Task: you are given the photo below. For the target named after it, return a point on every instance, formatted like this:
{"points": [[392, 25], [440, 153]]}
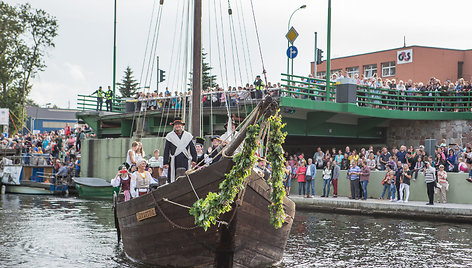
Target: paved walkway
{"points": [[412, 209]]}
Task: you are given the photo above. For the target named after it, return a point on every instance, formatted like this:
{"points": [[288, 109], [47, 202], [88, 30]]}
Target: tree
{"points": [[25, 36], [128, 85], [208, 80]]}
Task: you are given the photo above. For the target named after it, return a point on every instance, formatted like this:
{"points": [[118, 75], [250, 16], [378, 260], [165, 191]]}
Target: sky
{"points": [[82, 59]]}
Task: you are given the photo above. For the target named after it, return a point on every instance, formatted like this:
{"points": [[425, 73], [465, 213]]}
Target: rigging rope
{"points": [[241, 20], [258, 41], [233, 37]]}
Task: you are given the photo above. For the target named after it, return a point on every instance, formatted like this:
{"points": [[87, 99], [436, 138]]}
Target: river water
{"points": [[46, 231]]}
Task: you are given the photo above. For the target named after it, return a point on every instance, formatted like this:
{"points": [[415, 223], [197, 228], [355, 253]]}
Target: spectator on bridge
{"points": [[339, 158], [371, 163]]}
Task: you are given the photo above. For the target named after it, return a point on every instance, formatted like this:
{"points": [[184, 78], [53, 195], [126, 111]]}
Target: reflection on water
{"points": [[46, 231], [333, 240]]}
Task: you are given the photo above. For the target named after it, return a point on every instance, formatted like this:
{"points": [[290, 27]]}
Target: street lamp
{"points": [[288, 29]]}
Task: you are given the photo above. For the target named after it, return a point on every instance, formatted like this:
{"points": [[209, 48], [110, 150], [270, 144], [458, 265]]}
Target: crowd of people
{"points": [[60, 148], [376, 92], [182, 152], [211, 97], [401, 166]]}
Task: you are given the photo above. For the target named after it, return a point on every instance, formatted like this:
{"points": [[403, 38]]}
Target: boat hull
{"points": [[22, 189], [170, 238], [94, 192]]}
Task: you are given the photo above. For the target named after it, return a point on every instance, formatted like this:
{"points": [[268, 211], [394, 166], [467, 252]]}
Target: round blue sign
{"points": [[292, 52]]}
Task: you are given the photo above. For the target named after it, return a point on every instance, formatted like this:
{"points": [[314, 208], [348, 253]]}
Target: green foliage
{"points": [[128, 85], [275, 156], [206, 211], [25, 35], [208, 80]]}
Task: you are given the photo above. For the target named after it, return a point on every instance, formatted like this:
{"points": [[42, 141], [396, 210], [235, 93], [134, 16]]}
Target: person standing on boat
{"points": [[202, 158], [123, 179], [214, 150], [100, 94], [179, 151], [131, 154], [141, 180]]}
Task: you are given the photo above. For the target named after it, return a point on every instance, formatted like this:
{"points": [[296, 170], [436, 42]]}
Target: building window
{"points": [[370, 70], [337, 72], [321, 75], [388, 69], [351, 71]]}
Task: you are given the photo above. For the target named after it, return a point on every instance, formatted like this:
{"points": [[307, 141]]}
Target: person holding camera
{"points": [[123, 179]]}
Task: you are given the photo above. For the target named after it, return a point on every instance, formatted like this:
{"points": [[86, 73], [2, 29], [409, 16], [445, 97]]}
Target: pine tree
{"points": [[208, 80], [128, 85]]}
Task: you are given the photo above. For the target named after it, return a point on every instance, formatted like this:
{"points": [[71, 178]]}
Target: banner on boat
{"points": [[11, 175]]}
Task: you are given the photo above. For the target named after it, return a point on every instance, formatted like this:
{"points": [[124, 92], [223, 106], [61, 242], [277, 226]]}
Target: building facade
{"points": [[418, 63], [49, 119]]}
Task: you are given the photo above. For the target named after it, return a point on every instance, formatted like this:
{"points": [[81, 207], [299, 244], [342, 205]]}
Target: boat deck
{"points": [[375, 207]]}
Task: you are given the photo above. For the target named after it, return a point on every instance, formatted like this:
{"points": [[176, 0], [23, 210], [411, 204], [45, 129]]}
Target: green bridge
{"points": [[345, 112]]}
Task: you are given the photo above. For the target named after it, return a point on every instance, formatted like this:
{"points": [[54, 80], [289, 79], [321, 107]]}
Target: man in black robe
{"points": [[179, 151]]}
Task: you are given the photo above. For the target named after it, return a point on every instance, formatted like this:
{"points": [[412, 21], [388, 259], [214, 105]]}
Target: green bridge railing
{"points": [[89, 103], [380, 98]]}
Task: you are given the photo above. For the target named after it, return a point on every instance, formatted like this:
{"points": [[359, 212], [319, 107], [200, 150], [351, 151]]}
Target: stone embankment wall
{"points": [[102, 157], [412, 132]]}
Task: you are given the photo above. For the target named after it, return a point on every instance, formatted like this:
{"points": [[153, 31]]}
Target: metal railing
{"points": [[409, 100], [89, 103], [307, 88], [380, 98]]}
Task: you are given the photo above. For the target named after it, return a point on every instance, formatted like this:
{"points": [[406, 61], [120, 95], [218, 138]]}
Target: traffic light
{"points": [[162, 76], [319, 56]]}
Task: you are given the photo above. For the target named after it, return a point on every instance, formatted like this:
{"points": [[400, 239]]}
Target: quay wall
{"points": [[414, 132], [102, 157], [459, 189]]}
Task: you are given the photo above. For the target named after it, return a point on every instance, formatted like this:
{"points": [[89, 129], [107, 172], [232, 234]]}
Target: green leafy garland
{"points": [[206, 211], [276, 158]]}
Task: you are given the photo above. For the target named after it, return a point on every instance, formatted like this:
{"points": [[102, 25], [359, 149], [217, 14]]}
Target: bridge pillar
{"points": [[346, 91]]}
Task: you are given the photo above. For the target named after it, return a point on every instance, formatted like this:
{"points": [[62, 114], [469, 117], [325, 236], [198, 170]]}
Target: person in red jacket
{"points": [[301, 177]]}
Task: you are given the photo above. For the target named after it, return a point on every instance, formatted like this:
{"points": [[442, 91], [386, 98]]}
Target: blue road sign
{"points": [[292, 52]]}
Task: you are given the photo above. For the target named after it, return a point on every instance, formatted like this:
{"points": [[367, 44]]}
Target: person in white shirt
{"points": [[142, 180], [131, 154]]}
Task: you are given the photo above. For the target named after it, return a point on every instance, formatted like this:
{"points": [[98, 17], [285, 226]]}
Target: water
{"points": [[46, 231]]}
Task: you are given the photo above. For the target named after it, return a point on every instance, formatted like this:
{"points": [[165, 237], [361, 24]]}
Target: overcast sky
{"points": [[83, 56]]}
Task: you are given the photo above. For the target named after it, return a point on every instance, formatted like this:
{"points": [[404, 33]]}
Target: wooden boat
{"points": [[157, 228], [93, 187]]}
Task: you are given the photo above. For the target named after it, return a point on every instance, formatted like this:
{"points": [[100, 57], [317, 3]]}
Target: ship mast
{"points": [[197, 68]]}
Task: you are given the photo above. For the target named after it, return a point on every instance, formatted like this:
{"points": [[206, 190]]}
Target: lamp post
{"points": [[288, 42]]}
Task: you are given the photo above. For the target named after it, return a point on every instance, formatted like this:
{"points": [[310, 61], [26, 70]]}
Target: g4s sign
{"points": [[404, 56]]}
